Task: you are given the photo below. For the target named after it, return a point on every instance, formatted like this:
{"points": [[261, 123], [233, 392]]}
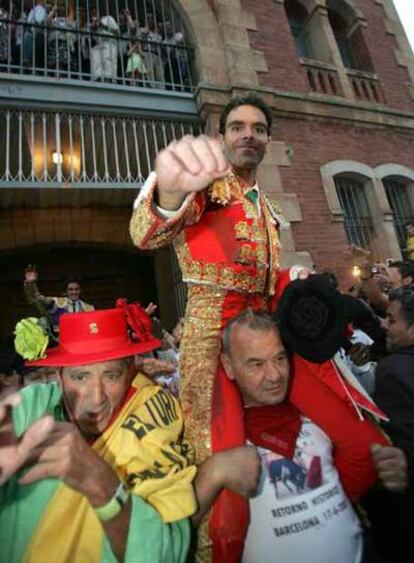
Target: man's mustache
{"points": [[247, 145]]}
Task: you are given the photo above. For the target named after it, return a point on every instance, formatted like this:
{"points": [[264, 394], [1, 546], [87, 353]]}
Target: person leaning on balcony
{"points": [[104, 54], [82, 45], [20, 17], [175, 59], [4, 37], [55, 306], [151, 46], [34, 37], [136, 69], [60, 44]]}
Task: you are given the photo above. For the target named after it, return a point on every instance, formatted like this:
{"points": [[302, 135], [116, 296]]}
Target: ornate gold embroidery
{"points": [[199, 357], [199, 354], [258, 234], [140, 224], [255, 232], [274, 249], [262, 255], [246, 281], [210, 273], [227, 277], [222, 190], [273, 206], [246, 255], [242, 230], [250, 209], [204, 544], [144, 219]]}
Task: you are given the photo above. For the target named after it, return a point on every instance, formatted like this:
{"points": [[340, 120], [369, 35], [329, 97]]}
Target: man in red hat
{"points": [[93, 467]]}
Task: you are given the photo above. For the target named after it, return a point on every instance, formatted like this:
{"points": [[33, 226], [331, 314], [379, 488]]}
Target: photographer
{"points": [[376, 281]]}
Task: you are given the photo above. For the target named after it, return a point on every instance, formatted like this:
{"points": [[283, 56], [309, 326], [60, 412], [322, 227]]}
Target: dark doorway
{"points": [[106, 273]]}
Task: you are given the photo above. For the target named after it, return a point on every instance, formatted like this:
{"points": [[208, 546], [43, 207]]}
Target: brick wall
{"points": [[274, 39], [315, 143], [382, 46]]}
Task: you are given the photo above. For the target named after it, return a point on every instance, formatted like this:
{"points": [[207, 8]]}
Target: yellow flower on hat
{"points": [[31, 339]]}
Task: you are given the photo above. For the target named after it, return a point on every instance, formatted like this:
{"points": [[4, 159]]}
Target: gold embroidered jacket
{"points": [[221, 237]]}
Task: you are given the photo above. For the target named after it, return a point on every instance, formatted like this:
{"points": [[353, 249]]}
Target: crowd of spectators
{"points": [[379, 340], [319, 390], [52, 40]]}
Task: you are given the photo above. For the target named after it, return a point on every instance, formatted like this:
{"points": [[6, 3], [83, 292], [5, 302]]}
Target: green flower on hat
{"points": [[31, 339]]}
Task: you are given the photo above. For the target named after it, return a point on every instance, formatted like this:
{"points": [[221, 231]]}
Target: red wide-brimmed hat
{"points": [[98, 336]]}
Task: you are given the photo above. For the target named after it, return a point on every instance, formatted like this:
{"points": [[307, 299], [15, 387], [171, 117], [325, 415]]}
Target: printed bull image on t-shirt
{"points": [[301, 513]]}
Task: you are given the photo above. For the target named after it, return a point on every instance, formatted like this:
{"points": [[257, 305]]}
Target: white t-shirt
{"points": [[301, 513]]}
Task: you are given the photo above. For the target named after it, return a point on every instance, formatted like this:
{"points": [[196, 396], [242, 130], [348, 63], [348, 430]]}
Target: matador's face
{"points": [[245, 137]]}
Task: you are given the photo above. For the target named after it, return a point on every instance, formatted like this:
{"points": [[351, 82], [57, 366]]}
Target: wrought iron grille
{"points": [[400, 204], [357, 216], [56, 148], [130, 42]]}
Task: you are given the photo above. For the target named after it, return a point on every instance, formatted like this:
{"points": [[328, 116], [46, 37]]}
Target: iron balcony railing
{"points": [[61, 49], [53, 149]]}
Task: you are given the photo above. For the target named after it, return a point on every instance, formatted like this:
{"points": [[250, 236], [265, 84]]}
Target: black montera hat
{"points": [[312, 317]]}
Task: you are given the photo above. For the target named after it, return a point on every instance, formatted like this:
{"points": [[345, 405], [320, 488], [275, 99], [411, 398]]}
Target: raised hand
{"points": [[357, 255], [14, 451], [190, 165], [151, 308], [153, 366], [30, 274]]}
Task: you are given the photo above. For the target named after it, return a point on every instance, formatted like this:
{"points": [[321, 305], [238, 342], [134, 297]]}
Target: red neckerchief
{"points": [[274, 427]]}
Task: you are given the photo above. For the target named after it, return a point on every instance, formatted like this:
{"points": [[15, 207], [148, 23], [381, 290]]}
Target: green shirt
{"points": [[150, 540]]}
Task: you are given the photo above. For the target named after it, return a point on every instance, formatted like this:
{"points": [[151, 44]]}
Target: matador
{"points": [[204, 198]]}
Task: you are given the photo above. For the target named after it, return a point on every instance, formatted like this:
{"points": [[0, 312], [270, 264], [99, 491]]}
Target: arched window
{"points": [[399, 200], [297, 16], [359, 226], [348, 36]]}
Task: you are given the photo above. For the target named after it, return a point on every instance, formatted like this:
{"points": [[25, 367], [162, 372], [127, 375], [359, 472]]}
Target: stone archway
{"points": [[223, 51], [210, 49]]}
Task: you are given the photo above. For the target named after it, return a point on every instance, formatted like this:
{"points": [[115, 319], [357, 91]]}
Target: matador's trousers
{"points": [[213, 410]]}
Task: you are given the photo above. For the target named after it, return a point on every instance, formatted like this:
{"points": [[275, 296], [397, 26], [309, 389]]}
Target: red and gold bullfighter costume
{"points": [[228, 249]]}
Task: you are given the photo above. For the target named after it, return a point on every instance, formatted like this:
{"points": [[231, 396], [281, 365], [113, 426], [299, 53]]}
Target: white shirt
{"points": [[301, 513], [37, 15]]}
